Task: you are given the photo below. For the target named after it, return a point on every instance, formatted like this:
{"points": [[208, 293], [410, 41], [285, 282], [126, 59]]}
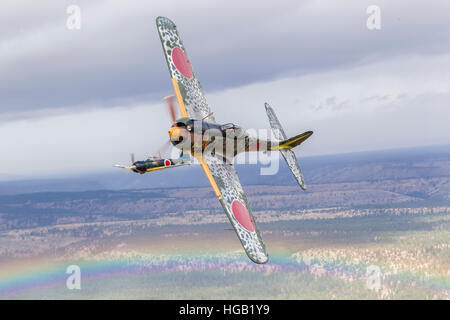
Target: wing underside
{"points": [[235, 204], [188, 90]]}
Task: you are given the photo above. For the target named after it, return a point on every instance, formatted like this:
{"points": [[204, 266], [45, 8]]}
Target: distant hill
{"points": [[424, 162], [414, 178]]}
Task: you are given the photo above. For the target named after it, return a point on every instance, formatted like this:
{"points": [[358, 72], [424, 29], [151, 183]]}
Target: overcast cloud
{"points": [[81, 100]]}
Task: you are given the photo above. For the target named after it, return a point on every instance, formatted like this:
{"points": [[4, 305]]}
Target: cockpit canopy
{"points": [[228, 126], [205, 126]]}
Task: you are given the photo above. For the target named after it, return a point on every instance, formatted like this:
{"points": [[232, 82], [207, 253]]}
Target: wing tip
{"points": [[301, 182], [164, 21], [260, 260], [258, 257]]}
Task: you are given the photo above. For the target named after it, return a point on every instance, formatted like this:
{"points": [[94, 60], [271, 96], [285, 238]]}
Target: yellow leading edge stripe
{"points": [[200, 159], [179, 98], [209, 176], [207, 172], [157, 168]]}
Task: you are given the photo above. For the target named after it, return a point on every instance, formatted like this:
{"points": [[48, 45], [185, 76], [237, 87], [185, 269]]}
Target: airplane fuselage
{"points": [[198, 136], [158, 164]]}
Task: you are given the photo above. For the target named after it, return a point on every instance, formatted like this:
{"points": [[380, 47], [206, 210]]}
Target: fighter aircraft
{"points": [[196, 133]]}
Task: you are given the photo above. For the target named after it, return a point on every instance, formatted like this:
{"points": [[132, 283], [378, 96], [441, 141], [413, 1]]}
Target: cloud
{"points": [[393, 103], [73, 101], [116, 58], [386, 104]]}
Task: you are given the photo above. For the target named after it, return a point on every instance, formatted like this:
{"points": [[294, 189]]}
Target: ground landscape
{"points": [[386, 211]]}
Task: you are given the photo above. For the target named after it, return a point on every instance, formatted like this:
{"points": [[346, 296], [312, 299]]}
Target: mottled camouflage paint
{"points": [[191, 90], [288, 154], [228, 182], [224, 174], [220, 163]]}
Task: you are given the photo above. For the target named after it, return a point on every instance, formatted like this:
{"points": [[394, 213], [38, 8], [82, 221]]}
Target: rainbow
{"points": [[32, 280]]}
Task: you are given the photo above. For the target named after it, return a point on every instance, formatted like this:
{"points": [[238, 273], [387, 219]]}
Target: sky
{"points": [[74, 101]]}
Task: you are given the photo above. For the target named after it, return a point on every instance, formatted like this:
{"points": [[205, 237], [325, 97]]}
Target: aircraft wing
{"points": [[226, 185], [222, 176], [188, 90]]}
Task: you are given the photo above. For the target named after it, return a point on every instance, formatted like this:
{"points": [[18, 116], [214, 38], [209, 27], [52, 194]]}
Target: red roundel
{"points": [[167, 163], [242, 216], [181, 62]]}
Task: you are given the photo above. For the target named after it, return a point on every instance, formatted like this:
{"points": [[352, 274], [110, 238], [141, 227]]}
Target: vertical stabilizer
{"points": [[285, 145]]}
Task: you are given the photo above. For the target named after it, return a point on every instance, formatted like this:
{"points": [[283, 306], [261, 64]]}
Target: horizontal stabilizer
{"points": [[292, 163]]}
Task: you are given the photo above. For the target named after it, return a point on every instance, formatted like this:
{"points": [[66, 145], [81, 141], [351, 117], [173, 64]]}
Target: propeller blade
{"points": [[124, 167], [132, 158], [171, 107]]}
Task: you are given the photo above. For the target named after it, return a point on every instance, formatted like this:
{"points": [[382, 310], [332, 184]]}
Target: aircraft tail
{"points": [[285, 145]]}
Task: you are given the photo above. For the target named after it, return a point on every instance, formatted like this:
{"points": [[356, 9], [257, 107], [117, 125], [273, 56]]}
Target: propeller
{"points": [[161, 151], [132, 167], [170, 100]]}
